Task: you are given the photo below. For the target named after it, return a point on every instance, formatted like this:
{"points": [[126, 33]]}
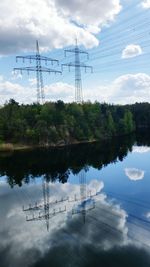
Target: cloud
{"points": [[10, 89], [60, 90], [130, 88], [140, 149], [126, 89], [146, 4], [16, 76], [131, 50], [55, 23], [83, 13], [134, 174]]}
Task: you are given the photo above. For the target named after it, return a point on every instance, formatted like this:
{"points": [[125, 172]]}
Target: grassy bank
{"points": [[11, 147]]}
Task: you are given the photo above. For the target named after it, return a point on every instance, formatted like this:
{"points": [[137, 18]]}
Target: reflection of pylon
{"points": [[87, 202], [82, 181], [45, 212], [48, 209], [46, 202]]}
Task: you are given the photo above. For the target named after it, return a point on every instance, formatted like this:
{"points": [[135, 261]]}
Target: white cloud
{"points": [[55, 23], [140, 149], [131, 51], [134, 174], [27, 94], [32, 81], [146, 4], [125, 89], [58, 91], [96, 12], [16, 76], [10, 89], [130, 88]]}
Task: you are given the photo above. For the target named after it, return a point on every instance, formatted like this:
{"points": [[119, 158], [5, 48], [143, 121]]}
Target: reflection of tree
{"points": [[56, 164]]}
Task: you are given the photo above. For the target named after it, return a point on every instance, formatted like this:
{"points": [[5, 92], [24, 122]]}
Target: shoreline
{"points": [[10, 147]]}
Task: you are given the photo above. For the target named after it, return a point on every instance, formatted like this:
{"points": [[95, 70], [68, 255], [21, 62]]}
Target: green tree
{"points": [[128, 122]]}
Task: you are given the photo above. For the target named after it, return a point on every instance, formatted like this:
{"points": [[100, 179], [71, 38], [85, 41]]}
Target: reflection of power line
{"points": [[126, 198]]}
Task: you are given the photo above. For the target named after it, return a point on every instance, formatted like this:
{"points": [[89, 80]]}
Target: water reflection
{"points": [[103, 237], [140, 149], [57, 164], [134, 174], [47, 208], [77, 222]]}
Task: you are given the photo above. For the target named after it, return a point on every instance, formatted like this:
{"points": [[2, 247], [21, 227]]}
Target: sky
{"points": [[115, 33]]}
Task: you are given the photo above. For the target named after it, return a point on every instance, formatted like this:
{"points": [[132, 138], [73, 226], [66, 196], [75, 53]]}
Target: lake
{"points": [[83, 205]]}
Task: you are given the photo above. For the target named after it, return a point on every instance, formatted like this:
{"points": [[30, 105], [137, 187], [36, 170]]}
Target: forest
{"points": [[59, 123]]}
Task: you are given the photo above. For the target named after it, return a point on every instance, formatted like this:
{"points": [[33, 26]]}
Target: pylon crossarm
{"points": [[34, 57], [83, 209], [44, 69], [49, 59], [80, 65], [37, 57], [33, 208], [45, 215], [75, 50], [28, 69]]}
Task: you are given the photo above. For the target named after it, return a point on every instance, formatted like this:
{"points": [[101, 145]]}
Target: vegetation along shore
{"points": [[59, 124]]}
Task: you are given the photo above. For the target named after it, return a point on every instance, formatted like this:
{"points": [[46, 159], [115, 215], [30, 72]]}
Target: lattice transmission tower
{"points": [[38, 69], [77, 65]]}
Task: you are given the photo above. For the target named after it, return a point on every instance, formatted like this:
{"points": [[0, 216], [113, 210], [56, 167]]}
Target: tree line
{"points": [[57, 123]]}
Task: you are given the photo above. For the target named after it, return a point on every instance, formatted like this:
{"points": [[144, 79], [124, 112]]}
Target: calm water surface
{"points": [[86, 205]]}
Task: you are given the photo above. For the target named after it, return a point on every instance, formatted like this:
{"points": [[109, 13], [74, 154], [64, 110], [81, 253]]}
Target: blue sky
{"points": [[115, 33]]}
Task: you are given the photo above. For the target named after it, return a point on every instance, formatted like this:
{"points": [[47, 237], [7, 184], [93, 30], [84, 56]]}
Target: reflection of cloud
{"points": [[148, 215], [146, 4], [134, 174], [140, 149], [69, 240]]}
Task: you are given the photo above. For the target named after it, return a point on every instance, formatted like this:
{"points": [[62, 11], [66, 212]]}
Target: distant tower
{"points": [[38, 69], [77, 65]]}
